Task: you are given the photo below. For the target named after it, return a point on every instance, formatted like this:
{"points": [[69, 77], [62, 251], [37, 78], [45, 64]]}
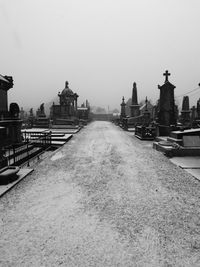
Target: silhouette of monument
{"points": [[123, 110], [66, 111], [134, 107], [41, 120]]}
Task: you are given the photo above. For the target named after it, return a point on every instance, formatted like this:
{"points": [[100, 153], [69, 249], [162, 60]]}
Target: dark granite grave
{"points": [[185, 112]]}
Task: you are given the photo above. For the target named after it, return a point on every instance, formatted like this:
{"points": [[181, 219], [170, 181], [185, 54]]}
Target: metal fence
{"points": [[33, 144]]}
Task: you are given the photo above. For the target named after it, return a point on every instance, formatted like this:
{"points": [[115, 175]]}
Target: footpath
{"points": [[104, 199]]}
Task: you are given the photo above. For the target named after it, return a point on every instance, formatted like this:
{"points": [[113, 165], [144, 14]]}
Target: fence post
{"points": [[28, 164], [14, 154]]}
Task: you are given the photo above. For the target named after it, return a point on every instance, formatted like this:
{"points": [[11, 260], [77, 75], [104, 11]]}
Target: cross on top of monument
{"points": [[166, 74]]}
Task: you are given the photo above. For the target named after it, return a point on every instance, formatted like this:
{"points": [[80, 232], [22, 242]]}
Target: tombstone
{"points": [[166, 110], [185, 112], [134, 107]]}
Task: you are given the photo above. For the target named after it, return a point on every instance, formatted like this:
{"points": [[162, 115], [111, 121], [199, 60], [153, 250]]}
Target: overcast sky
{"points": [[100, 46]]}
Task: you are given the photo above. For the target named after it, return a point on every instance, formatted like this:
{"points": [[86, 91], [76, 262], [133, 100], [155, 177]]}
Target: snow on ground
{"points": [[106, 199]]}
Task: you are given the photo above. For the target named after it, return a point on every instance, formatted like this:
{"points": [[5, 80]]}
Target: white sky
{"points": [[100, 46]]}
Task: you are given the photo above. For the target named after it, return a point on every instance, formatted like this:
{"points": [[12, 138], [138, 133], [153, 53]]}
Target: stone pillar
{"points": [[6, 82], [146, 114], [134, 107], [193, 114], [123, 110], [166, 112]]}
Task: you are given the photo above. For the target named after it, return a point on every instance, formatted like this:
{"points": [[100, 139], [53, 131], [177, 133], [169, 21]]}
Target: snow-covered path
{"points": [[104, 199]]}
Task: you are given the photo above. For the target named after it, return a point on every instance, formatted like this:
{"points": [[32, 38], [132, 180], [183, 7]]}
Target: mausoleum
{"points": [[66, 111]]}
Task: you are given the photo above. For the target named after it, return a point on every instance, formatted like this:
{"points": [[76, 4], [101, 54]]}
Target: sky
{"points": [[101, 47]]}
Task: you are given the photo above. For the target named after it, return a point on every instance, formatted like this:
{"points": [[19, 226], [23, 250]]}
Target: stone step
{"points": [[174, 140]]}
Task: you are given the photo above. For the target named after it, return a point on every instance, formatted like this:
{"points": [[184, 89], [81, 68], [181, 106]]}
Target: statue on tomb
{"points": [[14, 110], [42, 108], [31, 112]]}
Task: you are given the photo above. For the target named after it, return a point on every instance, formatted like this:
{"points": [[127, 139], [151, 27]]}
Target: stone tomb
{"points": [[180, 143], [41, 120]]}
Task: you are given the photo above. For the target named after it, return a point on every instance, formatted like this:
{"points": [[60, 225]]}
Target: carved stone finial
{"points": [[166, 74]]}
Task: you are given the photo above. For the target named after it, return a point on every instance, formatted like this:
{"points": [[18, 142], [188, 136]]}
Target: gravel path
{"points": [[104, 199]]}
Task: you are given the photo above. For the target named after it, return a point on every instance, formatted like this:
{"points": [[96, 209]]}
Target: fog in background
{"points": [[101, 47]]}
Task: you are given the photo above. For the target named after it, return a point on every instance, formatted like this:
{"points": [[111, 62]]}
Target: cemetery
{"points": [[172, 134], [19, 146], [100, 171]]}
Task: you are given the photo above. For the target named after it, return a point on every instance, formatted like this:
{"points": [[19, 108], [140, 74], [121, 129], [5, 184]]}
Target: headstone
{"points": [[185, 112], [166, 110]]}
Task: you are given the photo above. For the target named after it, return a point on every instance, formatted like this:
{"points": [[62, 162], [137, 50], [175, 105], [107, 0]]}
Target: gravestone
{"points": [[166, 109]]}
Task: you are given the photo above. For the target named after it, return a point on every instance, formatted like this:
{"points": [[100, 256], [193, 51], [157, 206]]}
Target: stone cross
{"points": [[166, 74]]}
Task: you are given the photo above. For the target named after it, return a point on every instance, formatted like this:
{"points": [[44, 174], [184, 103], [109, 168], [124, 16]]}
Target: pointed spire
{"points": [[146, 102], [134, 94]]}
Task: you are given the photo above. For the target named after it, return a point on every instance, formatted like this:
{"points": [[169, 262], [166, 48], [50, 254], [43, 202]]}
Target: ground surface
{"points": [[104, 199]]}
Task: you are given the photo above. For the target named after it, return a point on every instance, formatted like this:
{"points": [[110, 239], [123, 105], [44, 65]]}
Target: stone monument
{"points": [[123, 110], [134, 107], [41, 120], [166, 110], [66, 112]]}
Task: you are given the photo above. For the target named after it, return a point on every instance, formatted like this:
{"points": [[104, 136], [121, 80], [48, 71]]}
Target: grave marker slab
{"points": [[191, 141]]}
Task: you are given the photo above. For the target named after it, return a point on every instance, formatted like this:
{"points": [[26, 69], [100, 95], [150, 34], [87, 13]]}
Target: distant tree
{"points": [[115, 110], [100, 110]]}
